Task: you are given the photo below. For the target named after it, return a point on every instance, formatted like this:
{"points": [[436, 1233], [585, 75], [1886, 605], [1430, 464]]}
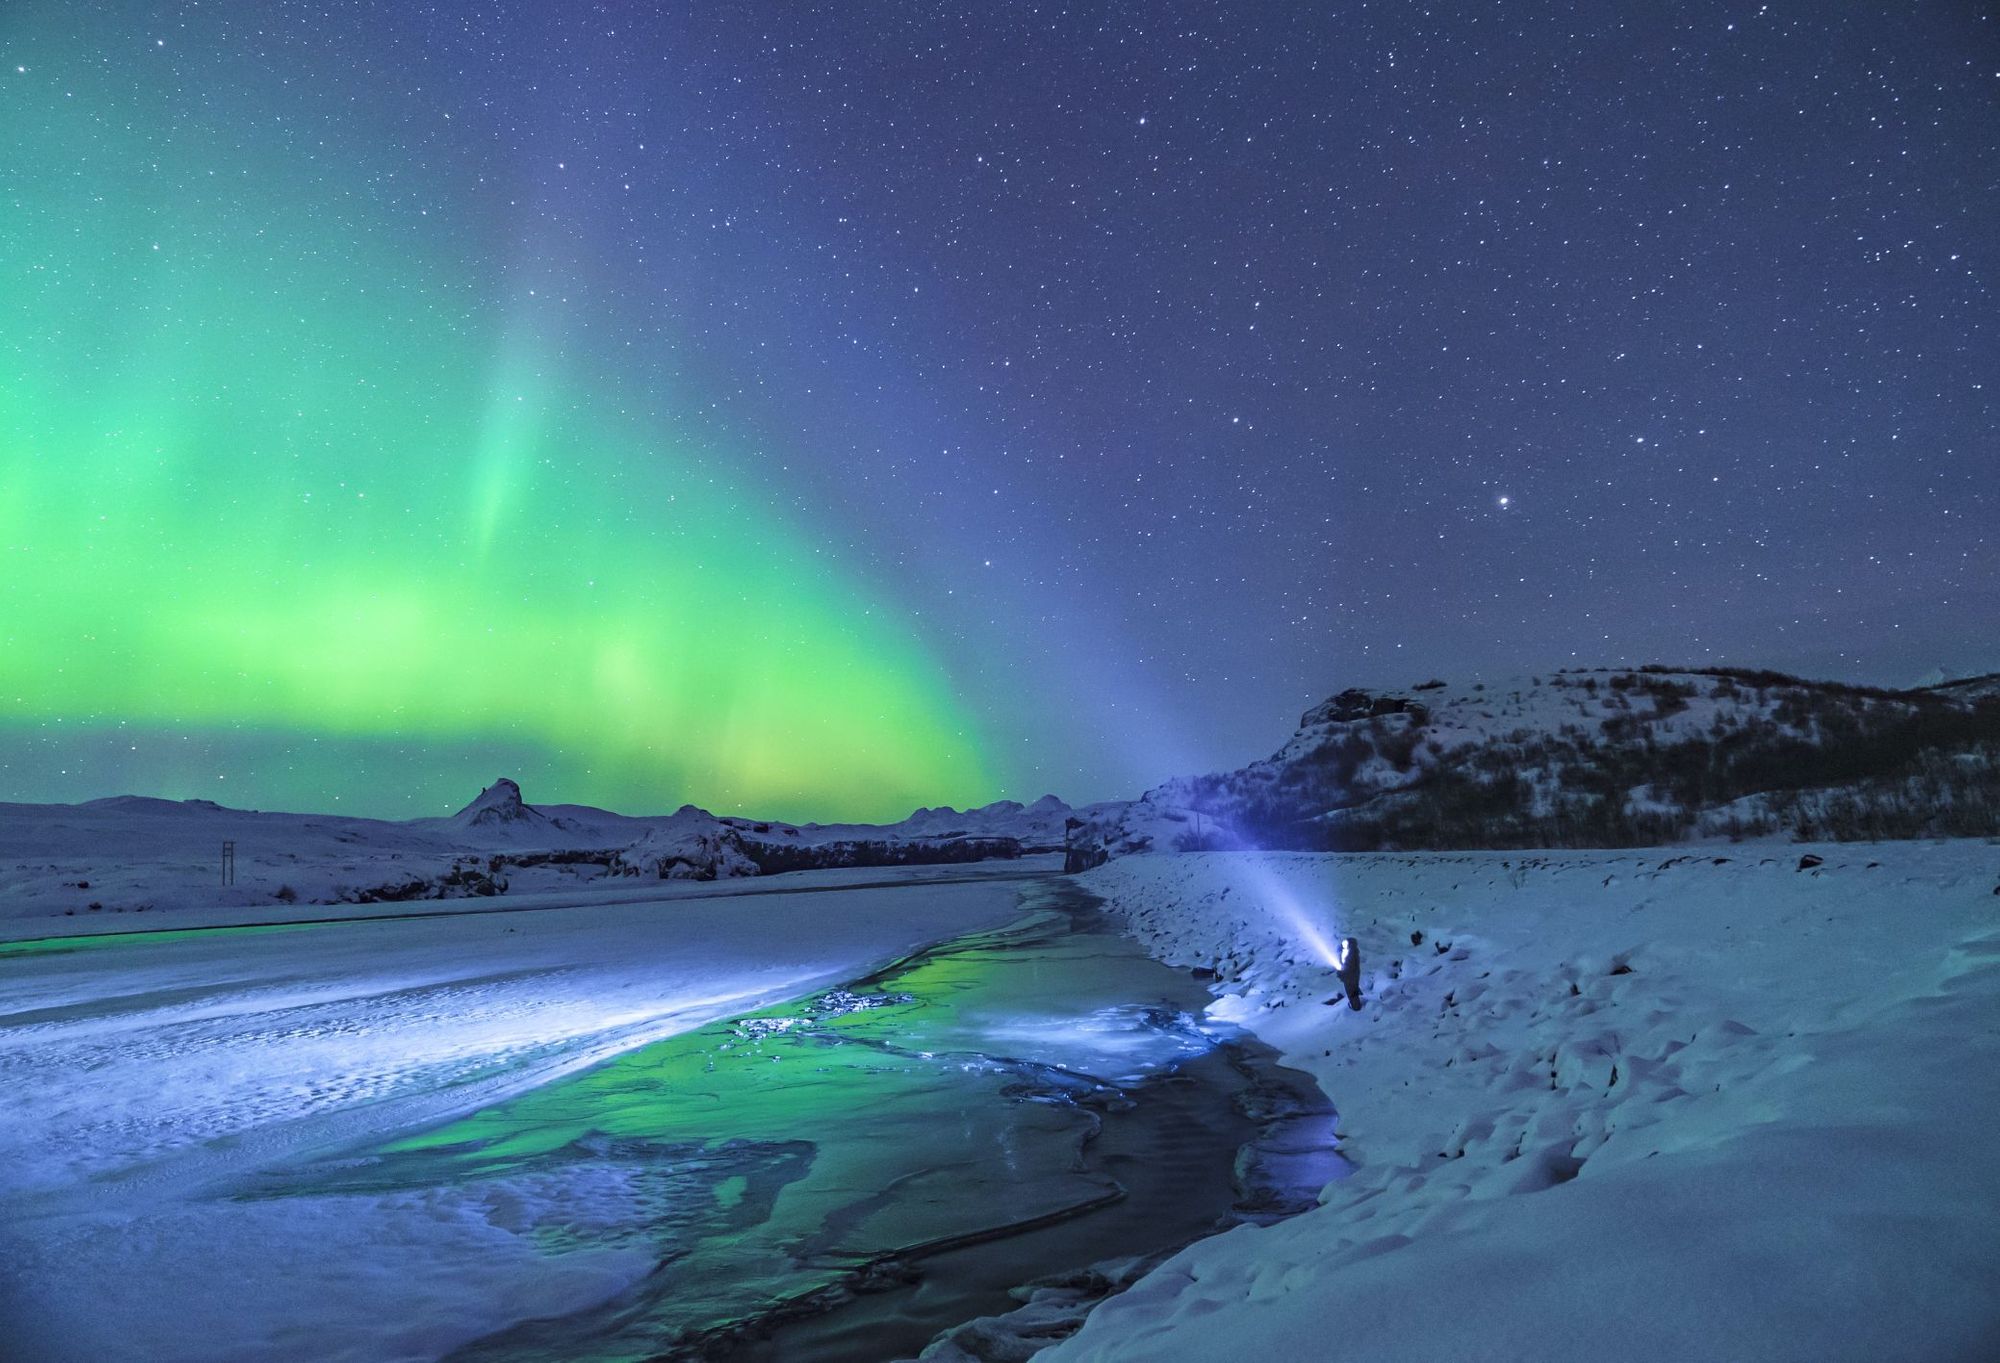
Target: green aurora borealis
{"points": [[290, 489]]}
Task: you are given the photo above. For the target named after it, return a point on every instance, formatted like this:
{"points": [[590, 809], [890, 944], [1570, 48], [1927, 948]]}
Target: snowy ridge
{"points": [[691, 845], [499, 808], [1970, 689], [1598, 1101], [696, 845], [135, 854], [1603, 758]]}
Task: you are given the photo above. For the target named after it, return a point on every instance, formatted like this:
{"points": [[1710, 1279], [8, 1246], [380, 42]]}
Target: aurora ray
{"points": [[269, 488]]}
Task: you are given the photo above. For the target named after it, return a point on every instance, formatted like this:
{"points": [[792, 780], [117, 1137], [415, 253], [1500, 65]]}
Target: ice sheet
{"points": [[144, 1077]]}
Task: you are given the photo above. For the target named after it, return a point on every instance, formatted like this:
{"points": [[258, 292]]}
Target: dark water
{"points": [[838, 1180]]}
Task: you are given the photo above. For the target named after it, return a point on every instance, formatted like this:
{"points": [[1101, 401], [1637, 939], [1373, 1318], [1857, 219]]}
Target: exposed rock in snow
{"points": [[691, 845], [697, 845], [499, 808], [1357, 703]]}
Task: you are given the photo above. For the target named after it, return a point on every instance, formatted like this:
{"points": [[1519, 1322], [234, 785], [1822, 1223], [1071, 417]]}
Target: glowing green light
{"points": [[267, 470]]}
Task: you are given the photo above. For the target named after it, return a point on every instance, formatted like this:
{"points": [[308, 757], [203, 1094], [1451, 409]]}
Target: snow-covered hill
{"points": [[132, 854], [694, 844], [1598, 758]]}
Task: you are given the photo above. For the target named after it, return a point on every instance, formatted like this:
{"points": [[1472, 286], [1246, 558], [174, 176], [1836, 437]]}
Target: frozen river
{"points": [[610, 1132]]}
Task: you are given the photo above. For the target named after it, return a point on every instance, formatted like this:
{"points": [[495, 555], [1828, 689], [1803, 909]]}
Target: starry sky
{"points": [[821, 410]]}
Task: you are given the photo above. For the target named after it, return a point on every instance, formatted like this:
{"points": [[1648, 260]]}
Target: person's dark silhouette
{"points": [[1349, 967]]}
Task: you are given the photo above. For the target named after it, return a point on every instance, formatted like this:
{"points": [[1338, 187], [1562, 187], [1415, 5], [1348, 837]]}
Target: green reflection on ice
{"points": [[768, 1157]]}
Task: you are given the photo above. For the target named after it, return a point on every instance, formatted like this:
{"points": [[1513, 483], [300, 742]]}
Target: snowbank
{"points": [[1604, 1105]]}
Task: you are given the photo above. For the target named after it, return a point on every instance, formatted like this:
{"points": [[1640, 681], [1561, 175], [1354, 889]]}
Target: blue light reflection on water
{"points": [[1047, 1072]]}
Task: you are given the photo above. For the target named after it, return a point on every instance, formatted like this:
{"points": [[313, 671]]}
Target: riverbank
{"points": [[1652, 1106]]}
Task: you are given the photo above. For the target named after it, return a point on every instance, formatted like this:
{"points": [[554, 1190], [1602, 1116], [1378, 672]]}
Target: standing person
{"points": [[1349, 968]]}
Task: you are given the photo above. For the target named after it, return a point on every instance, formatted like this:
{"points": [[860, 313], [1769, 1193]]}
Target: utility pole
{"points": [[228, 861]]}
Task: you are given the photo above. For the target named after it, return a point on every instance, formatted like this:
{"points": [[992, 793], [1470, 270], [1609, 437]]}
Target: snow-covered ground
{"points": [[131, 861], [1676, 1104], [1611, 1105], [145, 1075]]}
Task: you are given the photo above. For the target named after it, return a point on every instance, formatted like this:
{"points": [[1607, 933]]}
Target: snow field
{"points": [[1611, 1105]]}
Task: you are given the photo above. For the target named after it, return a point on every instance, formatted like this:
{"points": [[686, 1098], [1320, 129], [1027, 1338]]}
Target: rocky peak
{"points": [[499, 803], [1356, 703]]}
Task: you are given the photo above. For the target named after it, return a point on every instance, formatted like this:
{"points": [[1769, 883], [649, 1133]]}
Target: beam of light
{"points": [[1310, 925], [1303, 926]]}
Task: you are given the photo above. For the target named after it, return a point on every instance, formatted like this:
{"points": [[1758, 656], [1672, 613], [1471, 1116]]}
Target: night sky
{"points": [[824, 410]]}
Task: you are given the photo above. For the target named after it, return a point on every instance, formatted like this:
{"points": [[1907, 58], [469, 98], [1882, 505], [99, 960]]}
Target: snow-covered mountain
{"points": [[133, 853], [694, 844], [499, 819], [1600, 758], [500, 811]]}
